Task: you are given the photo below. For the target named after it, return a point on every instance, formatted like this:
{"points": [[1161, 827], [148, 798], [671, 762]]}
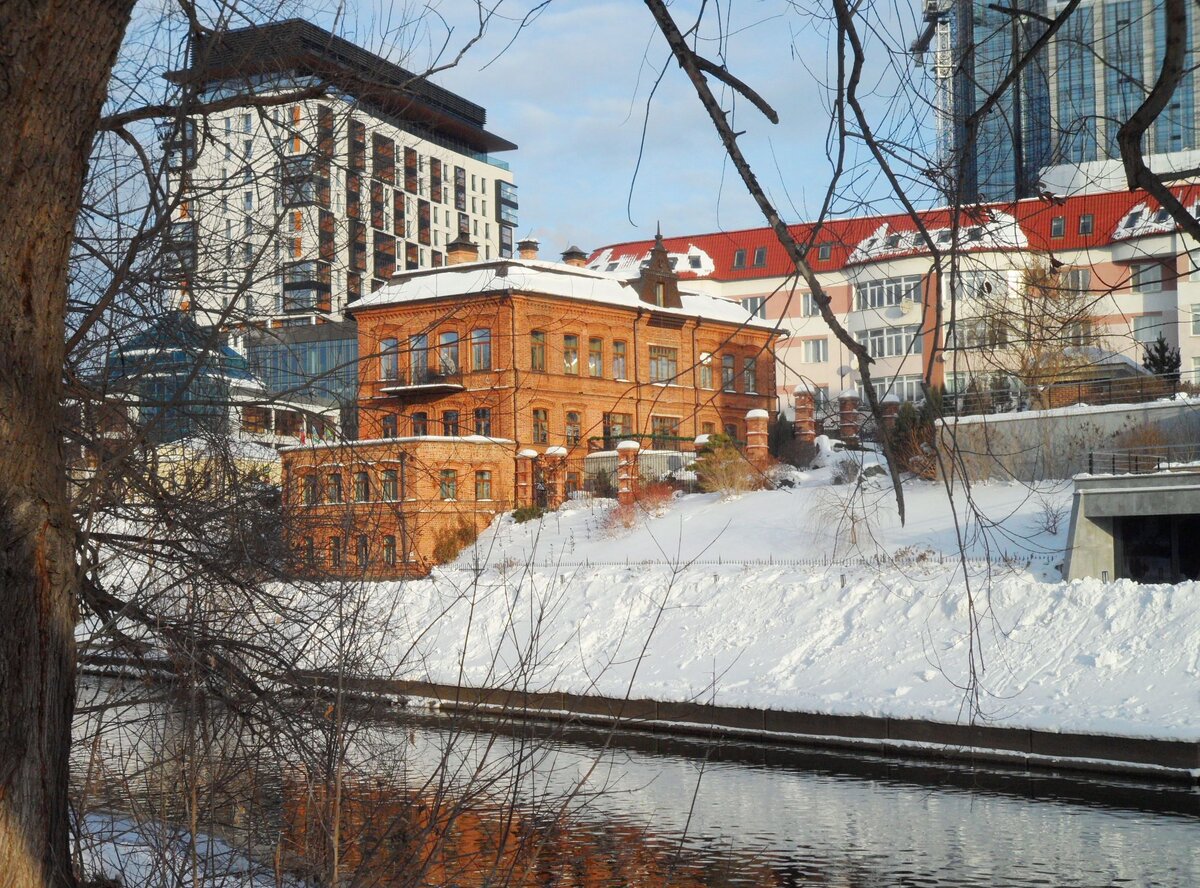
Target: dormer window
{"points": [[892, 242], [824, 251], [974, 233], [1087, 222], [694, 263], [739, 259], [760, 257], [1058, 226], [1132, 219], [1162, 215], [660, 295]]}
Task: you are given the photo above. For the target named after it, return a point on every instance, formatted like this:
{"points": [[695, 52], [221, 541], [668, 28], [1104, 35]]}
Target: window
{"points": [[448, 353], [448, 484], [660, 295], [663, 363], [333, 488], [1195, 319], [760, 257], [749, 375], [311, 494], [571, 354], [816, 351], [420, 423], [886, 291], [664, 428], [362, 550], [389, 359], [1058, 226], [362, 487], [1148, 277], [310, 550], [729, 373], [481, 349], [390, 487], [574, 428], [541, 426], [483, 421], [418, 358], [450, 423], [595, 356], [824, 251], [739, 259], [731, 431], [390, 426], [483, 485], [617, 425], [389, 550], [335, 551], [756, 306], [708, 428], [537, 351], [1087, 223], [1146, 328], [808, 306], [618, 360], [978, 333], [891, 342], [706, 371]]}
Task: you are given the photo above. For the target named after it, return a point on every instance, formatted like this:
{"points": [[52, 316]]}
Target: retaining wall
{"points": [[1043, 444], [1176, 760]]}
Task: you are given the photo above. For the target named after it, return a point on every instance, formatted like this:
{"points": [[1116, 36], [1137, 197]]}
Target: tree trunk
{"points": [[55, 60]]}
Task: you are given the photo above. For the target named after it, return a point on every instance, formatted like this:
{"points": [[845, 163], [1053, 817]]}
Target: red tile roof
{"points": [[1034, 216]]}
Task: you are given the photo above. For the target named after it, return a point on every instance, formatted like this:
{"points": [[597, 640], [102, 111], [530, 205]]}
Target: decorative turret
{"points": [[658, 284]]}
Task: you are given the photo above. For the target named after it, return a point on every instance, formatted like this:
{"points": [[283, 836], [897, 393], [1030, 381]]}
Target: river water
{"points": [[590, 808]]}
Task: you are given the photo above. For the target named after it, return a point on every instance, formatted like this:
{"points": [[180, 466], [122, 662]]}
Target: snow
{"points": [[1072, 409], [815, 598], [546, 278]]}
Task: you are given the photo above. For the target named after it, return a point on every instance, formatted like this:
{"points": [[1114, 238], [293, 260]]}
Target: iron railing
{"points": [[1145, 460]]}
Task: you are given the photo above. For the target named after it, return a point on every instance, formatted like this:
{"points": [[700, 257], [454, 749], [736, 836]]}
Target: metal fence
{"points": [[1145, 460], [1000, 560], [1095, 392]]}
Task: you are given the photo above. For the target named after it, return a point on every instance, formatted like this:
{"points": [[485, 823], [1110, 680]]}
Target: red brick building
{"points": [[465, 366]]}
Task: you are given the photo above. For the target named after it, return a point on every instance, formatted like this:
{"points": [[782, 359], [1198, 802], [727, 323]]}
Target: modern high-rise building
{"points": [[338, 169], [1056, 124]]}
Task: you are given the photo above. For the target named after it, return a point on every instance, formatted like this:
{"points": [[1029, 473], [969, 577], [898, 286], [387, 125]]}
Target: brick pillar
{"points": [[525, 460], [806, 415], [889, 407], [554, 461], [848, 416], [756, 439], [627, 472]]}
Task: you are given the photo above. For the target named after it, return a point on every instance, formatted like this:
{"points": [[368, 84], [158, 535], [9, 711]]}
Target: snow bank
{"points": [[757, 602]]}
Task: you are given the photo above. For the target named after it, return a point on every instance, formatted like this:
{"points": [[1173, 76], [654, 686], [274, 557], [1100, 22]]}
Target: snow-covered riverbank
{"points": [[697, 615]]}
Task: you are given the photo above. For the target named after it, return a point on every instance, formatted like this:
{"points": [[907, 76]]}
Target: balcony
{"points": [[423, 381]]}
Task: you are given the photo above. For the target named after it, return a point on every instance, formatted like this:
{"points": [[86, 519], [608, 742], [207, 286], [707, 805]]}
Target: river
{"points": [[431, 799]]}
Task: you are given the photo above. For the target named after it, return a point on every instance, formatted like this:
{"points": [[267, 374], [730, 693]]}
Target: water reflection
{"points": [[440, 801]]}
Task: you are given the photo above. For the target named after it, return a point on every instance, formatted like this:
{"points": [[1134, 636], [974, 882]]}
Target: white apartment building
{"points": [[289, 210], [1135, 275]]}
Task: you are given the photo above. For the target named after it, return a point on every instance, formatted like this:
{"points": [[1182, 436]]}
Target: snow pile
{"points": [[812, 598]]}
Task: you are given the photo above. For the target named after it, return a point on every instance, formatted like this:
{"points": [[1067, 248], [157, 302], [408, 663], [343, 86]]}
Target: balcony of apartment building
{"points": [[307, 287], [303, 181], [423, 380]]}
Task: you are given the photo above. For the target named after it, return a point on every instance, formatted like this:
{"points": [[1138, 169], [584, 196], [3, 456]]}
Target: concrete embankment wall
{"points": [[1055, 443], [1174, 760]]}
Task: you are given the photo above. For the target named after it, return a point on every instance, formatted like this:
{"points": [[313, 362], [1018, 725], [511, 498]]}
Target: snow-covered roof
{"points": [[538, 277], [410, 439]]}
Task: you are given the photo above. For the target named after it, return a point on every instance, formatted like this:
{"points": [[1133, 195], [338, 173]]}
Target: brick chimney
{"points": [[572, 255], [461, 250], [528, 248]]}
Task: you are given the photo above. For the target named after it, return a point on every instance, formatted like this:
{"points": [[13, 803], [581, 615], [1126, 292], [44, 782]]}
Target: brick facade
{"points": [[486, 369]]}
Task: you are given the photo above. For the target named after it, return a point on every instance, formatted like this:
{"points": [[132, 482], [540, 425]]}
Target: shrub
{"points": [[912, 438], [527, 513], [449, 541], [721, 468]]}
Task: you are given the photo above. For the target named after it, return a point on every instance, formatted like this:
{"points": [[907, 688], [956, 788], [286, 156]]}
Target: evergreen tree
{"points": [[1162, 360]]}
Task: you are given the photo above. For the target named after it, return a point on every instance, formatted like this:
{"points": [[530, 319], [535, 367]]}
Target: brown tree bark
{"points": [[55, 61]]}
